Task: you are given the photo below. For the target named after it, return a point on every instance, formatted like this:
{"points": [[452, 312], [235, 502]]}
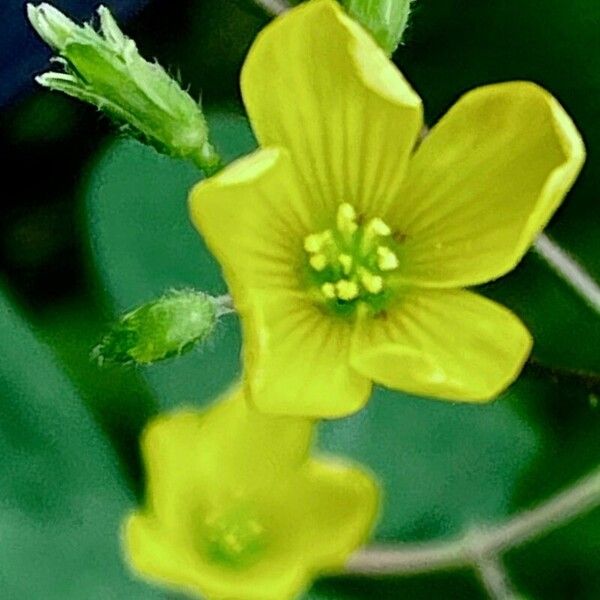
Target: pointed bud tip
{"points": [[51, 25], [110, 29]]}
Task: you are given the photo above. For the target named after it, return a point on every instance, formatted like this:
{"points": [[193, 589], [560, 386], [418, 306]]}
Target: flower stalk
{"points": [[569, 270], [582, 497], [273, 7]]}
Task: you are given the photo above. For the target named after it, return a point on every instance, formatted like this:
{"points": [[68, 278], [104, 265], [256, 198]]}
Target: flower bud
{"points": [[160, 329], [105, 69]]}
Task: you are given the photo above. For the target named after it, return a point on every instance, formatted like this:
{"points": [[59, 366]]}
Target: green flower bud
{"points": [[105, 69], [160, 329], [385, 19]]}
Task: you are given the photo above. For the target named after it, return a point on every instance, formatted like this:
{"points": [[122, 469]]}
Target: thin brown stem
{"points": [[589, 379], [273, 7], [576, 500], [495, 579], [569, 270]]}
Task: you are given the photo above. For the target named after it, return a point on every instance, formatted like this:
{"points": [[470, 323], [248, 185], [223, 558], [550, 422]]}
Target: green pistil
{"points": [[234, 539], [350, 263]]}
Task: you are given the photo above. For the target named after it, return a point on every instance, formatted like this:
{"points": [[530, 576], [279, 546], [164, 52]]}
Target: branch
{"points": [[495, 579], [568, 269], [273, 7], [588, 379], [467, 550]]}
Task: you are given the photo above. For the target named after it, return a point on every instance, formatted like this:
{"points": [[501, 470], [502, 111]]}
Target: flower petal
{"points": [[448, 344], [155, 555], [229, 450], [152, 554], [254, 220], [484, 183], [316, 83], [203, 465], [335, 507], [297, 358], [166, 442]]}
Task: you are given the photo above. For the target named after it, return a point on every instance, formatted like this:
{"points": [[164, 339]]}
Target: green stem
{"points": [[208, 160]]}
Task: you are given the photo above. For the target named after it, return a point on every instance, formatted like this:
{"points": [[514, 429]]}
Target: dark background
{"points": [[62, 224]]}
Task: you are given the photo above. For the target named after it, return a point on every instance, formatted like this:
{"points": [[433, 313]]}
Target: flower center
{"points": [[235, 538], [350, 263]]}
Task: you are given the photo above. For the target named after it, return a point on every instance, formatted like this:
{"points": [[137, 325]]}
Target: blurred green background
{"points": [[93, 224]]}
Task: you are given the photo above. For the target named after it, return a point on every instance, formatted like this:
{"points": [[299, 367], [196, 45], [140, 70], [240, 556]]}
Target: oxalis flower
{"points": [[346, 245], [237, 509]]}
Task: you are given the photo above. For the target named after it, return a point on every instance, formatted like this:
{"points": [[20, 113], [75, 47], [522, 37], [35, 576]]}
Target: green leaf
{"points": [[443, 465], [62, 496]]}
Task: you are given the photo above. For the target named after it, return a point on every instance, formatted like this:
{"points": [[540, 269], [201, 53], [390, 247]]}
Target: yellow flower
{"points": [[346, 246], [237, 510]]}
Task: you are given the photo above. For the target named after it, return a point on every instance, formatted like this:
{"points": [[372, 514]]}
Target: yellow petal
{"points": [[297, 357], [228, 450], [334, 507], [165, 441], [211, 474], [153, 555], [448, 344], [316, 82], [156, 556], [254, 220], [484, 183]]}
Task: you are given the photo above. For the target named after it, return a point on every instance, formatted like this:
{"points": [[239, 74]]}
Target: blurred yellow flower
{"points": [[236, 508], [346, 247]]}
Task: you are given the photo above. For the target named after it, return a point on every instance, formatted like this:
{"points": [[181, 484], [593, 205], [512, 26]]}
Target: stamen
{"points": [[372, 283], [328, 290], [378, 227], [234, 539], [318, 262], [315, 242], [346, 262], [386, 259], [346, 219], [346, 290]]}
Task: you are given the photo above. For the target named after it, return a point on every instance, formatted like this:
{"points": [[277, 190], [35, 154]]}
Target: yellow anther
{"points": [[386, 259], [346, 218], [346, 290], [315, 242], [372, 283], [328, 290], [346, 262], [378, 226], [318, 261]]}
